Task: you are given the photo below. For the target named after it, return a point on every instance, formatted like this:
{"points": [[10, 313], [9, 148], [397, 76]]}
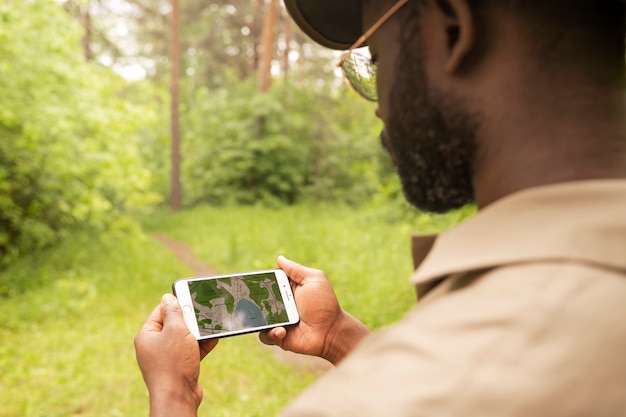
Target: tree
{"points": [[267, 45], [241, 114], [176, 187], [69, 144], [289, 36]]}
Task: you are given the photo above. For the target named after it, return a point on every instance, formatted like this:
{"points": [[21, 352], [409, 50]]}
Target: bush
{"points": [[289, 144], [69, 146]]}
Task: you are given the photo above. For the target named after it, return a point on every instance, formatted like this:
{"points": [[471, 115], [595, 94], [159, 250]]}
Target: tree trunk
{"points": [[255, 29], [265, 62], [175, 53], [86, 18], [267, 45], [288, 39]]}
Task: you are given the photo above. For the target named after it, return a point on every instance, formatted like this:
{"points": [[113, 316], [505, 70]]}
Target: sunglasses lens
{"points": [[361, 74]]}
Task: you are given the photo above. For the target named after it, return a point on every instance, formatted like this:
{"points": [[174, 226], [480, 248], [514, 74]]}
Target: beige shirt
{"points": [[522, 312]]}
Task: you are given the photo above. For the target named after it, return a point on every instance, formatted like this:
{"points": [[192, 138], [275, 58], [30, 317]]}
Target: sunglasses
{"points": [[358, 70]]}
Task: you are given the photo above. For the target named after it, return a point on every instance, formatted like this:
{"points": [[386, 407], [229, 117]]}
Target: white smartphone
{"points": [[226, 305]]}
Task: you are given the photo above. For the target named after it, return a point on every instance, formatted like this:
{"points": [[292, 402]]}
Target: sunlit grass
{"points": [[68, 315], [365, 252], [67, 343], [67, 346]]}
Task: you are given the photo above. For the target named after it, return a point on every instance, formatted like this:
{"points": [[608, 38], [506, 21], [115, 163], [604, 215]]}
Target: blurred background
{"points": [[217, 124]]}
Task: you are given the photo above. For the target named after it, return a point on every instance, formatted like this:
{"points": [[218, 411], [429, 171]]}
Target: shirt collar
{"points": [[581, 221]]}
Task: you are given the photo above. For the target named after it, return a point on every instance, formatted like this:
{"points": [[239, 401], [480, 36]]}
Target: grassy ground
{"points": [[366, 253], [67, 340], [68, 316]]}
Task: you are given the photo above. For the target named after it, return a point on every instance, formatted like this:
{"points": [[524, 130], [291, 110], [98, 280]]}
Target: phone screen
{"points": [[235, 303]]}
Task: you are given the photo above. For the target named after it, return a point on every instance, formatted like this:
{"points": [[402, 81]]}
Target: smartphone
{"points": [[227, 305]]}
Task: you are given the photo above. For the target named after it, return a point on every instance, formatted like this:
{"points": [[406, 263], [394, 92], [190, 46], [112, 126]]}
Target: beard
{"points": [[431, 138]]}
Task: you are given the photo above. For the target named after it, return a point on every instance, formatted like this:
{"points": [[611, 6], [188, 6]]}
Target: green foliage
{"points": [[365, 252], [91, 294], [67, 341], [68, 144], [290, 143]]}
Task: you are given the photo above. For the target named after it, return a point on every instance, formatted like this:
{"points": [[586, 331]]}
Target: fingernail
{"points": [[168, 299]]}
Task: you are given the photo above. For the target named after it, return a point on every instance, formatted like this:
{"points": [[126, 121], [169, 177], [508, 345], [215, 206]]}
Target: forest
{"points": [[88, 119], [214, 125]]}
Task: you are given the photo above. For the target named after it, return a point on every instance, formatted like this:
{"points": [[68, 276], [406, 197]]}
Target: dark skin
{"points": [[537, 127], [554, 129], [325, 329], [169, 358]]}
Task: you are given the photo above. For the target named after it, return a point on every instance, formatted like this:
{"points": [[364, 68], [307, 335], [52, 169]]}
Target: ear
{"points": [[460, 26]]}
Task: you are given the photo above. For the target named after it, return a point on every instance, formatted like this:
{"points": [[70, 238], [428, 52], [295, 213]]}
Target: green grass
{"points": [[365, 253], [68, 315], [67, 340]]}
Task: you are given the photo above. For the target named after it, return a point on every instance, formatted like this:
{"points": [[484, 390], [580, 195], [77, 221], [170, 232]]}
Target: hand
{"points": [[325, 329], [169, 358]]}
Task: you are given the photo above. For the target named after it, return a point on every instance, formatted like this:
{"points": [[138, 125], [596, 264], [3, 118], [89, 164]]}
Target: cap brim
{"points": [[335, 24]]}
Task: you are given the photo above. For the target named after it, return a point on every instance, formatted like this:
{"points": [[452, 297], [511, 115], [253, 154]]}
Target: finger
{"points": [[296, 272], [172, 314], [273, 336], [266, 339], [154, 322], [206, 347]]}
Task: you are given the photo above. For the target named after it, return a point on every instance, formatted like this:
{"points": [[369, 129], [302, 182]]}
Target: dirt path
{"points": [[199, 268], [186, 256]]}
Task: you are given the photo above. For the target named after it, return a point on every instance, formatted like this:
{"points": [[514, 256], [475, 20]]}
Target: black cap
{"points": [[335, 24]]}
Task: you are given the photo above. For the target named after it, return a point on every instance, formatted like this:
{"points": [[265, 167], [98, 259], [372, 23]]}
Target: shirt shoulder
{"points": [[545, 338], [579, 221]]}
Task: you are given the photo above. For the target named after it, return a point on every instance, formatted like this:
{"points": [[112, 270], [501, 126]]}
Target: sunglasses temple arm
{"points": [[378, 24]]}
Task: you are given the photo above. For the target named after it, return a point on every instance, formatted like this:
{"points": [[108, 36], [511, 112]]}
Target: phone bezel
{"points": [[180, 288]]}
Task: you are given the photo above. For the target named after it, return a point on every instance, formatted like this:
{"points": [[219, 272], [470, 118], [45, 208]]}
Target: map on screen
{"points": [[236, 303]]}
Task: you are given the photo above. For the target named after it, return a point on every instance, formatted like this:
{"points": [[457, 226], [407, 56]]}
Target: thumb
{"points": [[296, 272], [171, 310], [293, 269]]}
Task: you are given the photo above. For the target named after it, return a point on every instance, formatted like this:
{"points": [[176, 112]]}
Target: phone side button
{"points": [[187, 309]]}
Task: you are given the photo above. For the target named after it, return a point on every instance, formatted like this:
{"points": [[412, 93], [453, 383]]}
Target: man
{"points": [[519, 106]]}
